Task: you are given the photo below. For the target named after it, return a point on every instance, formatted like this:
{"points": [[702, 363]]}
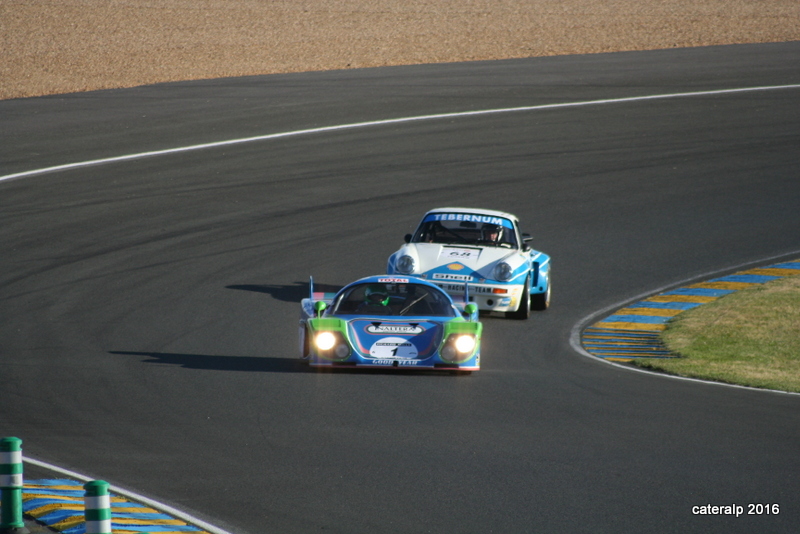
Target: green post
{"points": [[11, 487], [97, 502]]}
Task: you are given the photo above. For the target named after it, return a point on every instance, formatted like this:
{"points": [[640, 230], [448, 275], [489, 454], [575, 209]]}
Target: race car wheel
{"points": [[306, 345], [541, 301], [524, 310]]}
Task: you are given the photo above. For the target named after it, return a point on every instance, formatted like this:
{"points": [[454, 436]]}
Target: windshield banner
{"points": [[469, 217]]}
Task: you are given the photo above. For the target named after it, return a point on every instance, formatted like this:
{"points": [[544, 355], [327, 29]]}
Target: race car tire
{"points": [[541, 301], [524, 309], [306, 345]]}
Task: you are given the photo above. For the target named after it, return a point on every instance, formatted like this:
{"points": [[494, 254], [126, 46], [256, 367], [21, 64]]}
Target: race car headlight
{"points": [[331, 346], [459, 348], [325, 340], [503, 272], [342, 351], [465, 344], [405, 264]]}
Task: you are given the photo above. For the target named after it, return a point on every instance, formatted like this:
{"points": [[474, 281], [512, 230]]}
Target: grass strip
{"points": [[750, 338]]}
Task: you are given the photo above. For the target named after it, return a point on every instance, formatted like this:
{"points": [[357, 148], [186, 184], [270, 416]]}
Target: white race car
{"points": [[482, 249]]}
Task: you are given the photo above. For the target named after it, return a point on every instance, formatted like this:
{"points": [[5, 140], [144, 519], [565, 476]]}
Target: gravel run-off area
{"points": [[64, 46]]}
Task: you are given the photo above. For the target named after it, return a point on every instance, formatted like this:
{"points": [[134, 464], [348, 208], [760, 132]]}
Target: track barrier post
{"points": [[11, 487], [97, 502]]}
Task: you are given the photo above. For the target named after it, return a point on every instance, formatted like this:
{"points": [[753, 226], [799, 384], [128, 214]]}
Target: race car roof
{"points": [[392, 278]]}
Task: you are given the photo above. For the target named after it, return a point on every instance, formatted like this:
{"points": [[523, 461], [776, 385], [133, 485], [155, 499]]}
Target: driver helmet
{"points": [[376, 294], [488, 229]]}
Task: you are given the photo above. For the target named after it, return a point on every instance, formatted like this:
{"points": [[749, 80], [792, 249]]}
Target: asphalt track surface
{"points": [[148, 319]]}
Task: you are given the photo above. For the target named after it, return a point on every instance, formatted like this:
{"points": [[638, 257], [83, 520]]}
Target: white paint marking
{"points": [[325, 129]]}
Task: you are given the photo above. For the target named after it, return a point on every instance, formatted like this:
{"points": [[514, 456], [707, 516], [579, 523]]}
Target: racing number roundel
{"points": [[393, 347]]}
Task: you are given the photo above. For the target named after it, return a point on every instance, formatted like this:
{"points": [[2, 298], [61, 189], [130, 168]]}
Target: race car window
{"points": [[459, 229], [393, 299]]}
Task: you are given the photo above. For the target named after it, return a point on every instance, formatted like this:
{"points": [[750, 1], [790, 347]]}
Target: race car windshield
{"points": [[400, 299], [452, 229]]}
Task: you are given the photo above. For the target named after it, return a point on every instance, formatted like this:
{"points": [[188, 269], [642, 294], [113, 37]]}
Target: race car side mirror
{"points": [[319, 307], [471, 310], [526, 238], [407, 238]]}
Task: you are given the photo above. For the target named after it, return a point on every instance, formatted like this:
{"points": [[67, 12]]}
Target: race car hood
{"points": [[394, 339], [460, 262]]}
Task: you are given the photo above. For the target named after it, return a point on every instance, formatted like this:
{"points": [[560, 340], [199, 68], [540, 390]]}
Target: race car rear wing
{"points": [[314, 296], [471, 314]]}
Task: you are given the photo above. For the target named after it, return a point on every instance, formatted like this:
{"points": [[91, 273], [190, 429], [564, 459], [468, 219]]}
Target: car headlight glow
{"points": [[325, 340], [459, 348], [503, 271], [405, 264], [465, 344]]}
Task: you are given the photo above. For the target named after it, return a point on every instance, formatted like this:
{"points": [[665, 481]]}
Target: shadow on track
{"points": [[291, 293], [222, 363], [265, 364]]}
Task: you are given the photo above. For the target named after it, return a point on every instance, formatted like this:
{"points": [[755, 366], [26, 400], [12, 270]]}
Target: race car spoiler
{"points": [[315, 296]]}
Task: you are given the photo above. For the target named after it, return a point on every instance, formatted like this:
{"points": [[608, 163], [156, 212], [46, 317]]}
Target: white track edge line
{"points": [[218, 144], [134, 496]]}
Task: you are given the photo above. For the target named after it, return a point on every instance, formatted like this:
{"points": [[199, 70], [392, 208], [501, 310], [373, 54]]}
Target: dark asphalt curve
{"points": [[148, 319]]}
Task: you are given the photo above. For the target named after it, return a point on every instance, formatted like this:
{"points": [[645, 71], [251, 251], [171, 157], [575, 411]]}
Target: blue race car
{"points": [[390, 321], [482, 249]]}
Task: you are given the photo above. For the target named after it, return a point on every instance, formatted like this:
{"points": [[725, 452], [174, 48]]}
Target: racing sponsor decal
{"points": [[393, 348], [408, 329], [457, 253], [393, 280], [452, 287], [394, 362], [469, 217], [478, 289], [448, 276], [455, 266], [485, 290]]}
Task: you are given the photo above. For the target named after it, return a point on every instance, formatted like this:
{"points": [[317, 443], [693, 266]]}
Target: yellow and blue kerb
{"points": [[635, 331], [59, 504]]}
